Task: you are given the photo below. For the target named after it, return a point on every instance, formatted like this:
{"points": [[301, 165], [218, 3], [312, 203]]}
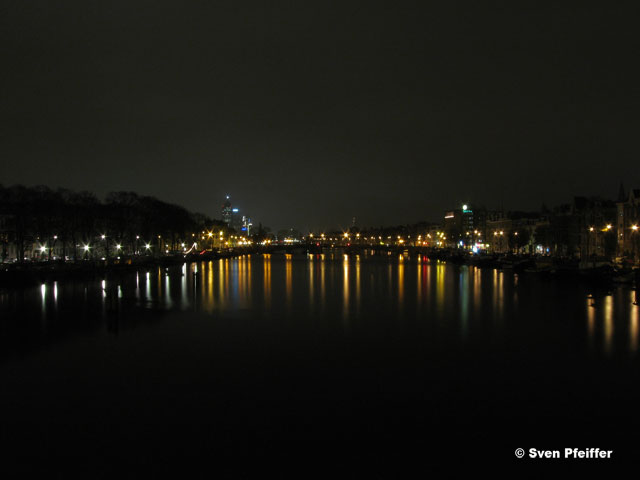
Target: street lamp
{"points": [[53, 244]]}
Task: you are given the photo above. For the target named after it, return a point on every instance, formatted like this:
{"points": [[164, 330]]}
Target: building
{"points": [[246, 225], [465, 227], [237, 220], [592, 227], [227, 211], [7, 249], [627, 224], [498, 229]]}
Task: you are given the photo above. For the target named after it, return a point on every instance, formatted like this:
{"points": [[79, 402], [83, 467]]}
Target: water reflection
{"points": [[167, 290], [186, 270], [43, 294], [608, 324], [498, 293], [364, 291], [400, 283], [311, 275], [591, 321], [209, 303], [633, 327], [322, 282], [440, 290], [223, 274], [266, 282], [345, 289], [289, 281], [477, 290], [464, 301]]}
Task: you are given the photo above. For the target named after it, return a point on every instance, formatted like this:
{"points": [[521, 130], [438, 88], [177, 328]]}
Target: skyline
{"points": [[391, 115], [231, 213]]}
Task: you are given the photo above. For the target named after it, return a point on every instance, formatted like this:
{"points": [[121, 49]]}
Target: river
{"points": [[342, 360]]}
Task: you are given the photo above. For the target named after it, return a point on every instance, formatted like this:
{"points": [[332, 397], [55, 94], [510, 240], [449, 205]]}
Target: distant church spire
{"points": [[621, 196]]}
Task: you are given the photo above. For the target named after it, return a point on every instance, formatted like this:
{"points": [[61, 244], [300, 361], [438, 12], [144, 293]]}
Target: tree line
{"points": [[70, 220]]}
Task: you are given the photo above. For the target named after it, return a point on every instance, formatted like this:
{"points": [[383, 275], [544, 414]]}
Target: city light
{"points": [[634, 227]]}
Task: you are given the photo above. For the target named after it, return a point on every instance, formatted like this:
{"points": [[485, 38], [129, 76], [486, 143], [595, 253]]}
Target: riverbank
{"points": [[35, 273]]}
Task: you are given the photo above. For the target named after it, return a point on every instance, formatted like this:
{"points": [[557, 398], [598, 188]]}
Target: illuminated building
{"points": [[465, 226], [227, 211], [628, 223]]}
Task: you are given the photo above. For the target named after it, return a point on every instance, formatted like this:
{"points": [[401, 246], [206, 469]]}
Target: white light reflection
{"points": [[43, 293], [633, 326]]}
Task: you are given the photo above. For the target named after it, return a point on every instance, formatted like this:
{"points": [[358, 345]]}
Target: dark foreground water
{"points": [[321, 363]]}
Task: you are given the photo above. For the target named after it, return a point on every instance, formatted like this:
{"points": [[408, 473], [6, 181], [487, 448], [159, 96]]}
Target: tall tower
{"points": [[226, 211]]}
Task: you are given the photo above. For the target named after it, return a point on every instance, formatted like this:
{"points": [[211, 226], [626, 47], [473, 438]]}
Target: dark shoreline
{"points": [[30, 274]]}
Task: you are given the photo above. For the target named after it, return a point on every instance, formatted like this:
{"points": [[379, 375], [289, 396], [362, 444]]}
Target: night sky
{"points": [[310, 113]]}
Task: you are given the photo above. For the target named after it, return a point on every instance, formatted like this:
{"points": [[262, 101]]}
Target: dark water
{"points": [[347, 364]]}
